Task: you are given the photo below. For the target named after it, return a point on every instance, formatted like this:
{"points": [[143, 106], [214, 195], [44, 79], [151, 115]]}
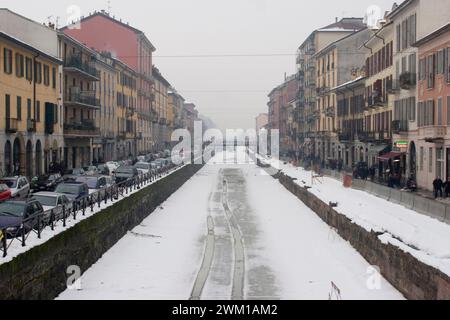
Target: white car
{"points": [[19, 186], [143, 167], [53, 201], [112, 165]]}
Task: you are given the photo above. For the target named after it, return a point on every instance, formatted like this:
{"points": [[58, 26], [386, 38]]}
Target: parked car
{"points": [[76, 172], [5, 193], [103, 169], [96, 182], [90, 171], [73, 190], [112, 165], [125, 173], [19, 186], [53, 201], [46, 182], [143, 167], [15, 215]]}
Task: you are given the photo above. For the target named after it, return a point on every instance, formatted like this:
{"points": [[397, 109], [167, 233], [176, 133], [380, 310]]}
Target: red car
{"points": [[5, 193]]}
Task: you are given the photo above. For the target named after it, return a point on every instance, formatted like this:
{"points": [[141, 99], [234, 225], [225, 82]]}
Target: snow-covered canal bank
{"points": [[230, 233]]}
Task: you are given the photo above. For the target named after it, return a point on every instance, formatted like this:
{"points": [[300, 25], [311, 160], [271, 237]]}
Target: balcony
{"points": [[329, 112], [400, 126], [87, 99], [75, 64], [375, 101], [31, 125], [130, 112], [310, 51], [139, 136], [433, 134], [322, 90], [393, 86], [81, 129], [12, 125], [407, 80]]}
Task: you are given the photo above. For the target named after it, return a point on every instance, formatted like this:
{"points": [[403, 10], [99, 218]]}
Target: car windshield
{"points": [[128, 170], [11, 209], [46, 200], [9, 183], [90, 181], [68, 189], [142, 166]]}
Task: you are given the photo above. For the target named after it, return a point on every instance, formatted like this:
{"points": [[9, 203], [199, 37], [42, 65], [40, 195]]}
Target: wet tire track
{"points": [[239, 250]]}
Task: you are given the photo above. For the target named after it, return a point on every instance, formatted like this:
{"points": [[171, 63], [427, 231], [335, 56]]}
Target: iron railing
{"points": [[60, 215]]}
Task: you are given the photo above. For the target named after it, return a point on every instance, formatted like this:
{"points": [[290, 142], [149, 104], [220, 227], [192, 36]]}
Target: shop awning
{"points": [[388, 156]]}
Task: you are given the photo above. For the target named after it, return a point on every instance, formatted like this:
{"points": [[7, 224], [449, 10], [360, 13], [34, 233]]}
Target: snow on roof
{"points": [[348, 83]]}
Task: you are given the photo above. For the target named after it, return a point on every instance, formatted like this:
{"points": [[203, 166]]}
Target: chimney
{"points": [[337, 19]]}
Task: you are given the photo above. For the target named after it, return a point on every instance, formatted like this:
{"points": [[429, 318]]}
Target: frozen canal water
{"points": [[232, 232]]}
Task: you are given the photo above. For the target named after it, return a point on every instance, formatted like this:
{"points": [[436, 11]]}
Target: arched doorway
{"points": [[412, 159], [17, 155], [8, 160], [29, 159], [38, 159]]}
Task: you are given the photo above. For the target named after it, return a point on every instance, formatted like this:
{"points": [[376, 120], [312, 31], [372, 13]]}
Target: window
{"points": [[448, 111], [28, 108], [422, 69], [412, 63], [439, 112], [54, 78], [38, 72], [46, 75], [421, 158], [19, 108], [399, 37], [412, 29], [430, 160], [440, 62], [430, 71], [19, 65], [38, 111], [440, 162], [29, 69], [7, 61], [447, 65]]}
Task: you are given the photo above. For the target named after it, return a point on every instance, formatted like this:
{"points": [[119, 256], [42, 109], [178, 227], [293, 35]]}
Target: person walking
{"points": [[437, 186], [447, 188]]}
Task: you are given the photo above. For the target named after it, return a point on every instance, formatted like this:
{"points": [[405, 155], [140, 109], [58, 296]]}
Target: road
{"points": [[232, 233]]}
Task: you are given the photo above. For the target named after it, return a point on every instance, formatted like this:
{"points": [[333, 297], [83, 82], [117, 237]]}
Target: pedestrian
{"points": [[447, 188], [437, 186]]}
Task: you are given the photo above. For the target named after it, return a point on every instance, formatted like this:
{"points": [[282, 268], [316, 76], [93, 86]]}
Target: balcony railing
{"points": [[12, 125], [407, 80], [433, 134], [31, 125], [87, 98], [375, 101], [85, 128], [399, 126], [76, 62], [330, 112], [393, 86]]}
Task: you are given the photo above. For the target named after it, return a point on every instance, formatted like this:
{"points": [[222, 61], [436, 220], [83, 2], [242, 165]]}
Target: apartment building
{"points": [[307, 114], [104, 32], [336, 64], [160, 105], [128, 135], [380, 70], [31, 132], [262, 121], [81, 102], [413, 19], [104, 147], [433, 114], [176, 103]]}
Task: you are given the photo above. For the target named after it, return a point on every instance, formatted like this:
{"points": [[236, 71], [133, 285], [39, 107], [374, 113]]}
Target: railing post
{"points": [[23, 235], [84, 206], [52, 220], [91, 202], [64, 216], [39, 225], [4, 243], [106, 195], [75, 205], [99, 200]]}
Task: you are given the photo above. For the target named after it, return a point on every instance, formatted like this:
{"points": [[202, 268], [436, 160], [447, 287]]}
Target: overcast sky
{"points": [[232, 91]]}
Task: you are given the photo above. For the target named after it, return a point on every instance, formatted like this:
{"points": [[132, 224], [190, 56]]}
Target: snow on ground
{"points": [[161, 258], [424, 237], [32, 240]]}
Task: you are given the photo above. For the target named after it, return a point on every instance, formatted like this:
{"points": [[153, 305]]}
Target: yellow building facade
{"points": [[30, 109]]}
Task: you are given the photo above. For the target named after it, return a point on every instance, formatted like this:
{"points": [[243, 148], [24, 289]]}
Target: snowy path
{"points": [[231, 233]]}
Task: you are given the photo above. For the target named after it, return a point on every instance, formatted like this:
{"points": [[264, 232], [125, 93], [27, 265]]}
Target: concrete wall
{"points": [[40, 273], [414, 279]]}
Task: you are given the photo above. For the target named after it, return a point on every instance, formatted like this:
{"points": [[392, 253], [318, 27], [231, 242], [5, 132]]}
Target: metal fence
{"points": [[61, 215]]}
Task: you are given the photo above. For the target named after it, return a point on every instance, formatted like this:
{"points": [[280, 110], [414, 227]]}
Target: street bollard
{"points": [[52, 220], [23, 235], [39, 225]]}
